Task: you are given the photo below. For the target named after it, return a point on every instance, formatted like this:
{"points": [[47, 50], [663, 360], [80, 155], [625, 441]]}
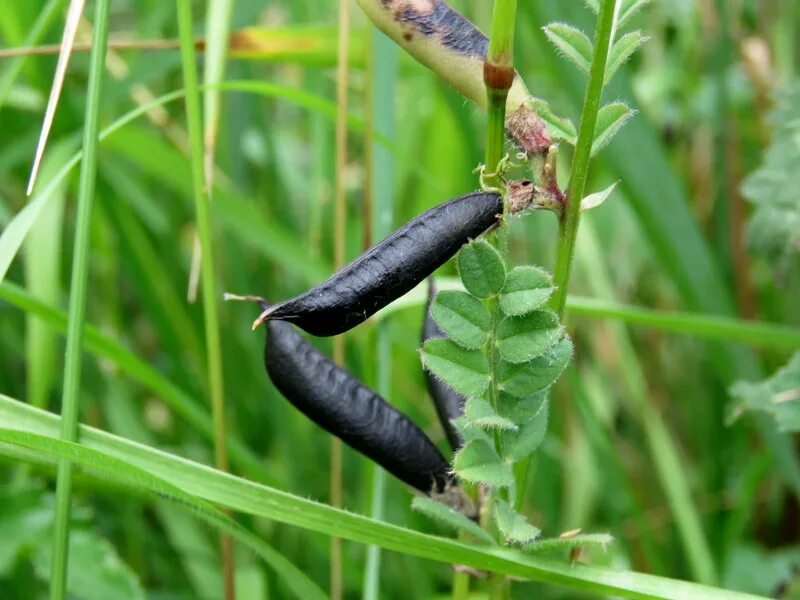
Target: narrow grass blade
{"points": [[216, 384], [78, 282]]}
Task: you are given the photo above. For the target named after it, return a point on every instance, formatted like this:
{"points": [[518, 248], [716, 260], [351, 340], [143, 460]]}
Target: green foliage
{"points": [[611, 118], [572, 43], [778, 396], [26, 531], [516, 352], [526, 289], [467, 371], [521, 339], [481, 268], [462, 317], [774, 228]]}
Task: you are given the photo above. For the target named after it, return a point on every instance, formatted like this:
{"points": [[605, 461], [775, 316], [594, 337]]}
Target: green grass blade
{"points": [[384, 88], [249, 497], [141, 479], [43, 281], [77, 301], [663, 448], [754, 333], [216, 385], [105, 347]]}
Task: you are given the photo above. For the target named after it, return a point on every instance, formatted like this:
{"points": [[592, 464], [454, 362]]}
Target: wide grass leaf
{"points": [[462, 317], [249, 497], [521, 339], [466, 371]]}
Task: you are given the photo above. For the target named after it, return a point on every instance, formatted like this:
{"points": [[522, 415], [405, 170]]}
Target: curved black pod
{"points": [[391, 268], [339, 403], [448, 402]]}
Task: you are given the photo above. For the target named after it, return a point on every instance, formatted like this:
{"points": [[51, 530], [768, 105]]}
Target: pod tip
{"points": [[261, 318]]}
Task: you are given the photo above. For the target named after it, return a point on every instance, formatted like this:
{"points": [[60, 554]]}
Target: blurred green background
{"points": [[715, 89]]}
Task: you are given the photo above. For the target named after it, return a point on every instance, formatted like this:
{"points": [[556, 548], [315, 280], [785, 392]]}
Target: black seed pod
{"points": [[339, 403], [448, 402], [397, 264]]}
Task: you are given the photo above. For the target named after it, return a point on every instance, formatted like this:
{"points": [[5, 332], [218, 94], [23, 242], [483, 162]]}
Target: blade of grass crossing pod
{"points": [[77, 301], [13, 66], [382, 109], [43, 281], [216, 487], [663, 449], [216, 386], [339, 245]]}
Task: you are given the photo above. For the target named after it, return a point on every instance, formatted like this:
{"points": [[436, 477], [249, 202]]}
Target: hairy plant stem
{"points": [[568, 225], [207, 276], [570, 217], [70, 402], [498, 75]]}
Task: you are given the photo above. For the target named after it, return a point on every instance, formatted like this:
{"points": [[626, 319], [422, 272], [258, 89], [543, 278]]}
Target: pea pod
{"points": [[342, 405], [448, 402], [397, 264]]}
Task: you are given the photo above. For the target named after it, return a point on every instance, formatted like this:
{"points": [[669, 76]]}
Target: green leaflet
{"points": [[479, 413], [481, 268], [450, 518], [466, 371], [778, 396], [528, 378], [462, 317], [479, 463], [521, 339], [512, 525], [526, 289]]}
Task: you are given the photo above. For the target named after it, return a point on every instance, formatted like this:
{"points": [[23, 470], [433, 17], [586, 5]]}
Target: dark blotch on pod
{"points": [[448, 402], [391, 268], [339, 403]]}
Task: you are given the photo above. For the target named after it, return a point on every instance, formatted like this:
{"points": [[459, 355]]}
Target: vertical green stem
{"points": [[77, 301], [568, 225], [382, 111], [339, 235], [498, 75], [207, 277]]}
